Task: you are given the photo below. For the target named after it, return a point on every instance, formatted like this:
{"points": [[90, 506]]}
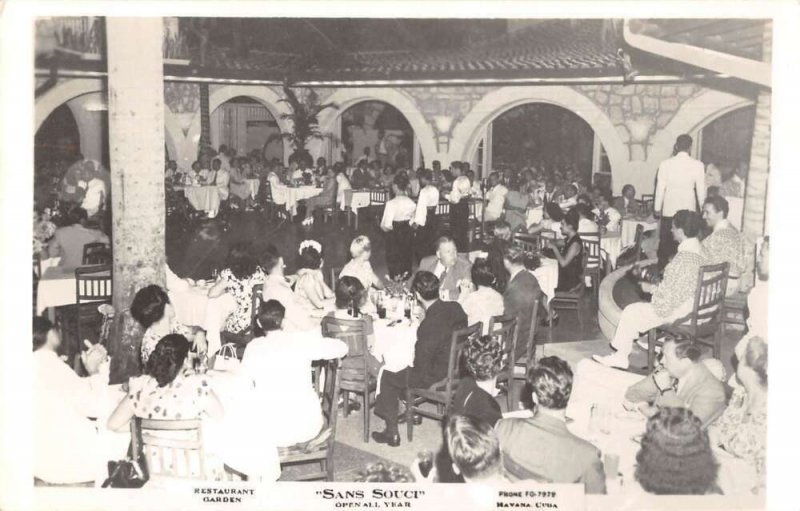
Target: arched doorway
{"points": [[57, 144], [541, 135], [246, 125], [378, 131]]}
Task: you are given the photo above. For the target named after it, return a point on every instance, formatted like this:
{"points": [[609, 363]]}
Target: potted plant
{"points": [[305, 124]]}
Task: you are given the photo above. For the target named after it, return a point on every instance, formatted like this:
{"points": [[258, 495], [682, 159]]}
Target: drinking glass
{"points": [[425, 462]]}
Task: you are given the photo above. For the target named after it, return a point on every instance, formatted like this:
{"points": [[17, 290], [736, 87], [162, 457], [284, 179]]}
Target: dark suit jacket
{"points": [[473, 401], [700, 391], [518, 302], [432, 352], [359, 179], [632, 209], [541, 448], [461, 270]]}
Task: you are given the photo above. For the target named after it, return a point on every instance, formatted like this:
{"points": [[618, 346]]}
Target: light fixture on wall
{"points": [[443, 125]]}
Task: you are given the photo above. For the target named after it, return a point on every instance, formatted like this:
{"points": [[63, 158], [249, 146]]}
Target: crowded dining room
{"points": [[482, 251]]}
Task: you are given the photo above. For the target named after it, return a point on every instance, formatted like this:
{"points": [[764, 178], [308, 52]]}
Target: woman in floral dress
{"points": [[310, 286], [238, 278]]}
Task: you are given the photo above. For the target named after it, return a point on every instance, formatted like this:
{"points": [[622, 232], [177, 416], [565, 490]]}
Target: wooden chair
{"points": [[476, 228], [355, 376], [527, 242], [545, 237], [335, 271], [593, 262], [96, 253], [648, 201], [570, 300], [705, 319], [349, 211], [377, 200], [441, 392], [320, 448], [274, 210], [173, 449], [92, 288], [505, 327], [443, 214]]}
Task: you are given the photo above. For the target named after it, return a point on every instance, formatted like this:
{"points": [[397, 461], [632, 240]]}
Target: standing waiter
{"points": [[680, 184]]}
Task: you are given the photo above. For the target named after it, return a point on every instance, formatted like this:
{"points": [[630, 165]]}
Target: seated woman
{"points": [[742, 428], [586, 219], [359, 266], [242, 272], [570, 260], [675, 457], [310, 287], [479, 299], [169, 390], [276, 374], [152, 309], [475, 394], [516, 206], [277, 287], [551, 221]]}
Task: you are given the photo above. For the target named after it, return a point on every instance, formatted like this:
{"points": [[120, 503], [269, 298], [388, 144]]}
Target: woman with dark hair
{"points": [[741, 430], [570, 256], [310, 286], [480, 300], [516, 206], [152, 309], [676, 457], [277, 287], [551, 221], [242, 272], [483, 359], [274, 374], [520, 292], [397, 214]]}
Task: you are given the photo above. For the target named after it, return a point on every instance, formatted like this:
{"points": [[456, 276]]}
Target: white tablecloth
{"points": [[289, 196], [611, 245], [628, 229], [355, 199], [535, 215], [202, 198], [55, 288], [547, 276], [193, 307], [394, 345]]}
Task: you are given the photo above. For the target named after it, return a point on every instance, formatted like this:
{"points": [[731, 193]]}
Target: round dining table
{"points": [[202, 198], [291, 195]]}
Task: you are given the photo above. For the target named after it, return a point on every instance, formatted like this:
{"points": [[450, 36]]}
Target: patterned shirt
{"points": [[242, 291], [151, 337], [726, 245], [680, 277], [743, 434], [184, 398]]}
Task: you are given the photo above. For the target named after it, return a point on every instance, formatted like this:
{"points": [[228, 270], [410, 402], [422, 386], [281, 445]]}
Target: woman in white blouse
{"points": [[310, 286], [359, 266], [479, 299], [397, 214], [276, 287]]}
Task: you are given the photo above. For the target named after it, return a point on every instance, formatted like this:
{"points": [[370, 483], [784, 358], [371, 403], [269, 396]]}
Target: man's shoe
{"points": [[614, 360], [383, 437]]}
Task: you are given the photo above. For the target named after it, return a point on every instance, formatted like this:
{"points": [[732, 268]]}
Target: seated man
{"points": [[540, 447], [672, 299], [627, 203], [431, 354], [475, 450], [725, 244], [68, 241], [682, 381], [326, 198], [448, 266]]}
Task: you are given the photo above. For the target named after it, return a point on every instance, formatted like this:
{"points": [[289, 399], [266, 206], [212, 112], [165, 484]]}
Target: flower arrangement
{"points": [[397, 286], [43, 230]]}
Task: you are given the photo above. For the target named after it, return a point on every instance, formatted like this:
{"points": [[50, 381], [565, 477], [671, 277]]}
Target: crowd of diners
{"points": [[688, 407]]}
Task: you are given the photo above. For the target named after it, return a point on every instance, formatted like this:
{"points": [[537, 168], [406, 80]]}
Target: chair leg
{"points": [[510, 389], [366, 416], [651, 349], [718, 341], [345, 403], [410, 415]]}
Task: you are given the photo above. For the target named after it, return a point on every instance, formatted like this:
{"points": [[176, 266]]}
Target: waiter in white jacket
{"points": [[680, 184]]}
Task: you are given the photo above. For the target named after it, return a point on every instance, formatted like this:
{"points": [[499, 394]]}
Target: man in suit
{"points": [[521, 290], [680, 184], [431, 356], [683, 381], [627, 204], [541, 448], [448, 266]]}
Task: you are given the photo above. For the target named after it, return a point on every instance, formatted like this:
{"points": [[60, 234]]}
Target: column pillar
{"points": [[755, 201], [205, 120], [136, 147]]}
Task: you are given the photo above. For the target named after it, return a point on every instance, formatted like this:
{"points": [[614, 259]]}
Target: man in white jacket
{"points": [[680, 184]]}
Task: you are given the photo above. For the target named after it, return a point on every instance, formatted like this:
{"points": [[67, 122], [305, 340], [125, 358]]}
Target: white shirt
{"points": [[223, 183], [399, 209], [95, 196], [614, 219], [413, 184], [568, 203], [587, 226], [496, 198], [482, 305], [428, 198], [680, 184], [296, 318]]}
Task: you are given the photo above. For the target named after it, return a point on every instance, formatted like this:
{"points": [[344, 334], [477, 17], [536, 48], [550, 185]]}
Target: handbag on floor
{"points": [[132, 471], [226, 359]]}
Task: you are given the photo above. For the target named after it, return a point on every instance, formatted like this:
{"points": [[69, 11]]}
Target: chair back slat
{"points": [[546, 236], [443, 209], [171, 447], [96, 253], [505, 328], [591, 250], [93, 283], [377, 197], [526, 242], [709, 298], [458, 342], [353, 333]]}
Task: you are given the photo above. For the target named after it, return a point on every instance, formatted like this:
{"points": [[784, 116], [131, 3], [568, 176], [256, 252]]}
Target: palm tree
{"points": [[305, 125]]}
